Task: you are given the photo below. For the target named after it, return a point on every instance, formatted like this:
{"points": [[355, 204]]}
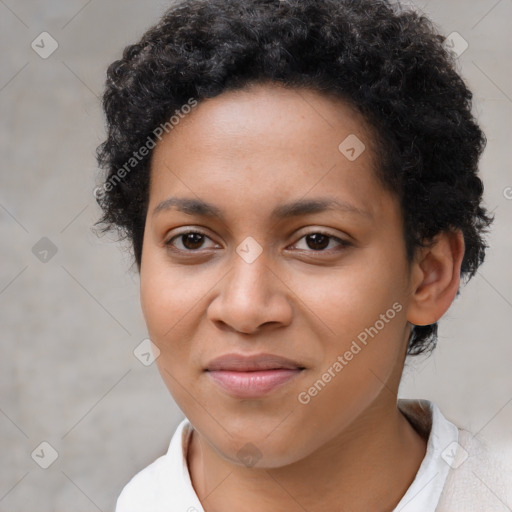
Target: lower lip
{"points": [[252, 384]]}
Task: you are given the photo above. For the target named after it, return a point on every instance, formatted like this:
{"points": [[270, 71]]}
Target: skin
{"points": [[247, 152]]}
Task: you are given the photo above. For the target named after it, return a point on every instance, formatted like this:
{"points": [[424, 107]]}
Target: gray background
{"points": [[69, 325]]}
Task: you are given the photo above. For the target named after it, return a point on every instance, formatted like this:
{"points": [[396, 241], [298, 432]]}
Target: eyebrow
{"points": [[297, 208], [293, 209]]}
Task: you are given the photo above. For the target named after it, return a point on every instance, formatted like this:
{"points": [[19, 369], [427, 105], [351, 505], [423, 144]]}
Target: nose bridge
{"points": [[249, 282], [250, 296]]}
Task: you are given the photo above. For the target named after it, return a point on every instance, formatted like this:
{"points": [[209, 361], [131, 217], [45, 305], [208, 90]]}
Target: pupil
{"points": [[319, 241], [192, 240]]}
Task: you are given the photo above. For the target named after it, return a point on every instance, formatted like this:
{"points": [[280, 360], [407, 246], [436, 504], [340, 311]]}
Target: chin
{"points": [[253, 447], [258, 456]]}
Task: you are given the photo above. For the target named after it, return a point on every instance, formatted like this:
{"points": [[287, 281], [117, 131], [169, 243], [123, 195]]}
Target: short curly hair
{"points": [[386, 61]]}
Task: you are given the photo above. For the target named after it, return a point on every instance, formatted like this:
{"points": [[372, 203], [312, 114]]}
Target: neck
{"points": [[368, 466]]}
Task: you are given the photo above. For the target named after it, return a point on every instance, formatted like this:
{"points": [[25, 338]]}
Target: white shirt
{"points": [[445, 478]]}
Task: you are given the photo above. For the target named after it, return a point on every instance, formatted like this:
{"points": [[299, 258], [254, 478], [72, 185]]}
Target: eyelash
{"points": [[342, 243]]}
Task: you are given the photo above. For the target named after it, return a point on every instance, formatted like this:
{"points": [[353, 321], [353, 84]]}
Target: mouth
{"points": [[252, 376]]}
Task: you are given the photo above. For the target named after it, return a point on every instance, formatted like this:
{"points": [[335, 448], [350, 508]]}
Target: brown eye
{"points": [[192, 240], [317, 241], [188, 242]]}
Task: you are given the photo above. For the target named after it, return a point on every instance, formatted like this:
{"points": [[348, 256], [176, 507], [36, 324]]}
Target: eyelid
{"points": [[321, 231], [311, 230], [185, 231]]}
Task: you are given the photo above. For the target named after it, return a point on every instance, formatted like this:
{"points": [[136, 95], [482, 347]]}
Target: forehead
{"points": [[259, 147]]}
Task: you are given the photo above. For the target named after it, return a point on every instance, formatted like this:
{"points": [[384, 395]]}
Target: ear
{"points": [[435, 278]]}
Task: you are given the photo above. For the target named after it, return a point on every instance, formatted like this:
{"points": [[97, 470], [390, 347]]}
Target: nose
{"points": [[252, 298]]}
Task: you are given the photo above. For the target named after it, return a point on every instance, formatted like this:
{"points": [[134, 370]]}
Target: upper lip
{"points": [[251, 363]]}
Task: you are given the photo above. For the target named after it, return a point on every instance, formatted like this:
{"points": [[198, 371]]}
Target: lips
{"points": [[239, 363], [252, 376]]}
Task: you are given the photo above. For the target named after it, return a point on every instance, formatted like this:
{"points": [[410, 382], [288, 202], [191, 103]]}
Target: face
{"points": [[274, 277]]}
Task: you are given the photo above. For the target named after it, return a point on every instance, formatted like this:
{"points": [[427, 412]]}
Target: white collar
{"points": [[424, 492], [165, 485]]}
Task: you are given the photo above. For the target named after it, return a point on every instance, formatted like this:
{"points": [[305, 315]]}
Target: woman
{"points": [[298, 180]]}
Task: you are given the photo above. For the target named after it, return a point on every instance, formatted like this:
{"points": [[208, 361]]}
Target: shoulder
{"points": [[143, 489], [479, 478], [165, 484]]}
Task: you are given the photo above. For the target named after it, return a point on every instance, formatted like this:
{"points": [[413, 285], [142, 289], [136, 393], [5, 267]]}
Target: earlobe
{"points": [[435, 278]]}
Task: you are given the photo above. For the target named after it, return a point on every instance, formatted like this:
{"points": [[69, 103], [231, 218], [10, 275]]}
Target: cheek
{"points": [[173, 300], [345, 301], [359, 315], [169, 294], [166, 311]]}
